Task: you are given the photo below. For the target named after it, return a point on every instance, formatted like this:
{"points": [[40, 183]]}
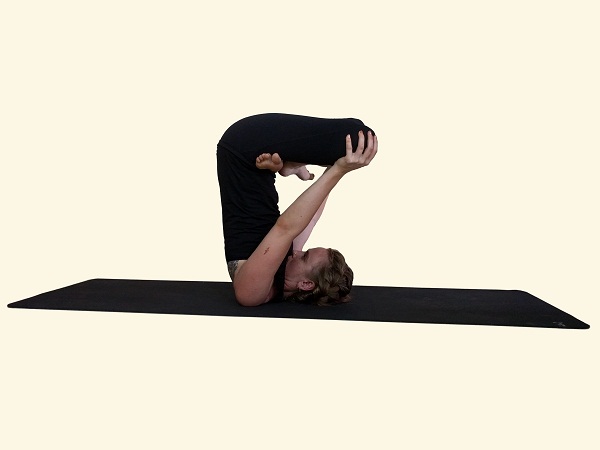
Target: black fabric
{"points": [[369, 303], [249, 204], [304, 139]]}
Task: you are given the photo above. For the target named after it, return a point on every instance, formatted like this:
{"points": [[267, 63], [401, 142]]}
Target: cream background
{"points": [[487, 177]]}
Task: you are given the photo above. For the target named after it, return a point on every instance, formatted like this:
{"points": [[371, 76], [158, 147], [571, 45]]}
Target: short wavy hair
{"points": [[333, 282]]}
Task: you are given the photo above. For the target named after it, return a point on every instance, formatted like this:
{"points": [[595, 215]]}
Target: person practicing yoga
{"points": [[263, 248]]}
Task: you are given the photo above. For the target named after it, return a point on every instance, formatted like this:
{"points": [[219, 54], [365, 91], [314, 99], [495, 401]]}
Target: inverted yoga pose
{"points": [[263, 248]]}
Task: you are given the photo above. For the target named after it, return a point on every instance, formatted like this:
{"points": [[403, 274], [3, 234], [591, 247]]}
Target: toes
{"points": [[263, 157]]}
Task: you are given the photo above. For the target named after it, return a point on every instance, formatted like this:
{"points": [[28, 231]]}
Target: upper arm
{"points": [[253, 282]]}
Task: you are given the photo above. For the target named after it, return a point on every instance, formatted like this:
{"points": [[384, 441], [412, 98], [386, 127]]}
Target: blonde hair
{"points": [[333, 282]]}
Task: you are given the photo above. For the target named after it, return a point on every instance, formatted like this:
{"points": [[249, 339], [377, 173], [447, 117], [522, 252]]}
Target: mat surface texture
{"points": [[369, 303]]}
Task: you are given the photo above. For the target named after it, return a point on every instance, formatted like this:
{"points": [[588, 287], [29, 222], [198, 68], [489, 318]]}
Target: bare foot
{"points": [[298, 169], [267, 161], [274, 163]]}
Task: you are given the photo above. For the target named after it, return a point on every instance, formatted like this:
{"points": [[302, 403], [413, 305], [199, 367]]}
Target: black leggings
{"points": [[308, 140]]}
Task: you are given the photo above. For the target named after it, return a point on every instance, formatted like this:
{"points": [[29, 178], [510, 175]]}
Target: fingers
{"points": [[348, 146], [363, 155], [371, 150], [375, 146], [361, 143]]}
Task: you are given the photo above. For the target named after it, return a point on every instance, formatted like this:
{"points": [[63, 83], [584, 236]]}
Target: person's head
{"points": [[319, 276]]}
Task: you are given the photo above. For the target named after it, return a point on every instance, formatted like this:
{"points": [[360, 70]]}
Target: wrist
{"points": [[336, 171]]}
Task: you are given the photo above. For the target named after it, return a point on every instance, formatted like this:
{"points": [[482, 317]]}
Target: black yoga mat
{"points": [[369, 303]]}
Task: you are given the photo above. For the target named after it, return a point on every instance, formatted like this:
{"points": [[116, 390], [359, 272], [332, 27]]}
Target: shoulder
{"points": [[233, 266]]}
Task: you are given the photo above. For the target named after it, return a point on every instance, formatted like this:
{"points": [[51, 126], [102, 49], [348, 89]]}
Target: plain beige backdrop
{"points": [[487, 177]]}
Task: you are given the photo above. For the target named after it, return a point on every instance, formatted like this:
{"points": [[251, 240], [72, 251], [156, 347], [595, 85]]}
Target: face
{"points": [[301, 264]]}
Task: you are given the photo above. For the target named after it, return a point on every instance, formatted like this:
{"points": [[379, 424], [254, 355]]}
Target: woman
{"points": [[263, 249]]}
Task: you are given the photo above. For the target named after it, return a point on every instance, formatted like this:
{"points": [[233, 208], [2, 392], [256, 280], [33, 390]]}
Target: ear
{"points": [[306, 285]]}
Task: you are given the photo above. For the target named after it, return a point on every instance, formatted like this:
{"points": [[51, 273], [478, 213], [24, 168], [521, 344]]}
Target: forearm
{"points": [[309, 205]]}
